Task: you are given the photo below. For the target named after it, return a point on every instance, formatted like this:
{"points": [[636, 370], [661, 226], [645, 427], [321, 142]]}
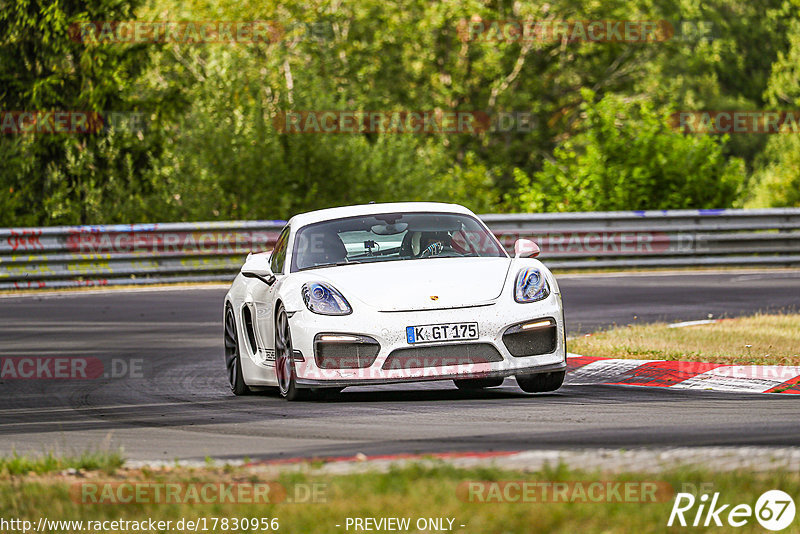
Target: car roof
{"points": [[311, 217]]}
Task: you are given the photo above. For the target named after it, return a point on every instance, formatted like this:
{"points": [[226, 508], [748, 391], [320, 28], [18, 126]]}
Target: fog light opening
{"points": [[537, 324], [339, 339]]}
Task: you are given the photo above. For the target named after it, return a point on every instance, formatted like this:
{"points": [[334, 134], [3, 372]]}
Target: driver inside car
{"points": [[323, 249]]}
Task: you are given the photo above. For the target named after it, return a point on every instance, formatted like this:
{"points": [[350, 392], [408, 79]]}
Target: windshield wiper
{"points": [[337, 264]]}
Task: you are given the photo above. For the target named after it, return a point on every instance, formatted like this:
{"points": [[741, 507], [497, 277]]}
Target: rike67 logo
{"points": [[774, 510]]}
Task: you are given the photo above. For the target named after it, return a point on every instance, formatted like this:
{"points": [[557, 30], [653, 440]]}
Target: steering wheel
{"points": [[434, 249]]}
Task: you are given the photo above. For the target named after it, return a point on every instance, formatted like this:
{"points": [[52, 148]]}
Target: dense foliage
{"points": [[598, 135]]}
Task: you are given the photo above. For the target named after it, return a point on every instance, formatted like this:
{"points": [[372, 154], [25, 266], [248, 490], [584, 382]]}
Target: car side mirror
{"points": [[257, 266], [525, 248]]}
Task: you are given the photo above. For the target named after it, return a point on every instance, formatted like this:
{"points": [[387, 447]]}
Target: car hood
{"points": [[425, 284]]}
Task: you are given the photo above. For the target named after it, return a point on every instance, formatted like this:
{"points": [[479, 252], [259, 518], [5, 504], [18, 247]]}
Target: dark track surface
{"points": [[182, 407]]}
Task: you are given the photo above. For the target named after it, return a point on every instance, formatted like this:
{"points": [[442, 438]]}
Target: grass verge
{"points": [[756, 340], [416, 491], [16, 464]]}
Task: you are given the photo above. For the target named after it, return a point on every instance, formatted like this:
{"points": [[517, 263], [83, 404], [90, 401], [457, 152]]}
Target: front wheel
{"points": [[284, 359], [542, 382]]}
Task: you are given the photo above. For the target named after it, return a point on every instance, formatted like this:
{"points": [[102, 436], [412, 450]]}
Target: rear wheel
{"points": [[284, 359], [233, 359], [542, 382], [478, 383]]}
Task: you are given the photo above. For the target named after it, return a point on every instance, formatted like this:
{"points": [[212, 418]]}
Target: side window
{"points": [[278, 258]]}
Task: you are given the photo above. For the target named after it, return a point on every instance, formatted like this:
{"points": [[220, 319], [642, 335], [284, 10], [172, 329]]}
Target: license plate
{"points": [[441, 332]]}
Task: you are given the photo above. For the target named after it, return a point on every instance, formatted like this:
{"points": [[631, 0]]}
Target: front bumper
{"points": [[310, 382], [389, 330]]}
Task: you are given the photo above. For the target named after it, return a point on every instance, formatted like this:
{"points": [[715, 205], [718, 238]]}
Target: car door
{"points": [[264, 300]]}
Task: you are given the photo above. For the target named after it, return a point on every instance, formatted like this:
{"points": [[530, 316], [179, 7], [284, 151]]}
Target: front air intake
{"points": [[345, 351], [442, 356], [531, 338]]}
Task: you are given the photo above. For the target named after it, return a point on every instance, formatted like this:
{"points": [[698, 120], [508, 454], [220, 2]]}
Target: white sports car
{"points": [[385, 293]]}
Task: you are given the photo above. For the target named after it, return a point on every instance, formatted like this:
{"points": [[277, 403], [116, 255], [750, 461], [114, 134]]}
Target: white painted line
{"points": [[693, 323]]}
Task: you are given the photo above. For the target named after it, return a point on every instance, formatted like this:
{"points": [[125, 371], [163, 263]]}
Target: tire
{"points": [[478, 383], [284, 359], [542, 382], [233, 356]]}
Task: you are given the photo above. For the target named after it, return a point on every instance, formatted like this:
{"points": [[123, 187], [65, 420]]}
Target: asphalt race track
{"points": [[181, 406]]}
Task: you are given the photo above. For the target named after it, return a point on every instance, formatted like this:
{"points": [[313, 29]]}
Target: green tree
{"points": [[778, 176], [73, 178], [211, 151], [628, 157]]}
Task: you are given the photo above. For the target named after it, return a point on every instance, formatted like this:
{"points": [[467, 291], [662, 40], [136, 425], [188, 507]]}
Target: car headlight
{"points": [[324, 299], [531, 286]]}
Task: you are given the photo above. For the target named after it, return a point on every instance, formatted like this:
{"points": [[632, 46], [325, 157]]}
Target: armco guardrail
{"points": [[74, 256], [676, 238], [77, 256]]}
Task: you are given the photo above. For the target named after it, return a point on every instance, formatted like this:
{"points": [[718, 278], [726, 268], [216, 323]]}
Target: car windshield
{"points": [[392, 237]]}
